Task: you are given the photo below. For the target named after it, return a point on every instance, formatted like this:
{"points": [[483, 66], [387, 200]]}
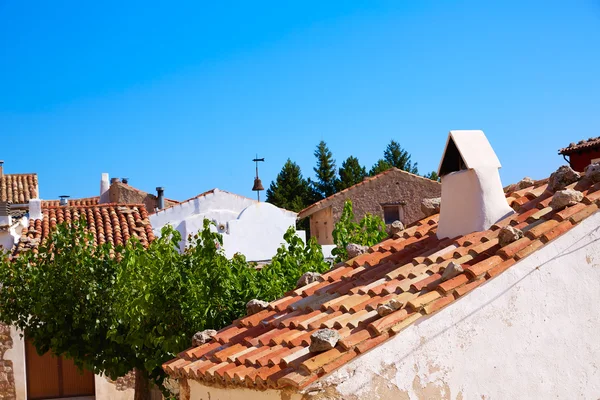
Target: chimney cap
{"points": [[469, 148], [160, 189], [1, 162], [125, 180]]}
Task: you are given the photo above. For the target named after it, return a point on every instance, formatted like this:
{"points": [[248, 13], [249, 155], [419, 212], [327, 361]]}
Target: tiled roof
{"points": [[113, 223], [322, 203], [581, 145], [18, 188], [271, 349], [87, 201]]}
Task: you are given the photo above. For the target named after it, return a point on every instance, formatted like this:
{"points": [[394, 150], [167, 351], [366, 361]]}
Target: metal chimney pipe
{"points": [[64, 200], [1, 168], [160, 194]]}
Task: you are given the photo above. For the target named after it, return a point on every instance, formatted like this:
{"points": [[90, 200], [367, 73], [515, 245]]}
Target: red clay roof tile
{"points": [[407, 269]]}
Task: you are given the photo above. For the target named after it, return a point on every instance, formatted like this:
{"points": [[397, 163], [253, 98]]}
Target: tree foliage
{"points": [[398, 157], [379, 167], [433, 176], [325, 185], [290, 190], [114, 309], [351, 173], [369, 231]]}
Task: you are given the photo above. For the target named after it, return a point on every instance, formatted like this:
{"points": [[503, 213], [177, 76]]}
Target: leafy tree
{"points": [[433, 176], [379, 167], [325, 184], [397, 157], [351, 173], [290, 190], [114, 309], [369, 231]]}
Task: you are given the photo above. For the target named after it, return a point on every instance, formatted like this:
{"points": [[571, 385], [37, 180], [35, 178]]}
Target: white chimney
{"points": [[104, 188], [472, 195], [35, 209]]}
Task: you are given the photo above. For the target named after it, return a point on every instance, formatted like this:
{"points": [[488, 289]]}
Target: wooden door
{"points": [[55, 377]]}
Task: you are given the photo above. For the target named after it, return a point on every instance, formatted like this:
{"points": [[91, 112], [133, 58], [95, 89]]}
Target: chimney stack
{"points": [[125, 180], [160, 194], [35, 209], [114, 180], [472, 195], [64, 200], [1, 168], [104, 189]]}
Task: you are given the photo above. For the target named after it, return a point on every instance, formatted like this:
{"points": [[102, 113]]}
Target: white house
{"points": [[500, 305], [254, 229]]}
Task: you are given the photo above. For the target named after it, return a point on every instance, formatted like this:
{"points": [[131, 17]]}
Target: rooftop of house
{"points": [[581, 145], [313, 208], [86, 201], [270, 349], [18, 188], [112, 223]]}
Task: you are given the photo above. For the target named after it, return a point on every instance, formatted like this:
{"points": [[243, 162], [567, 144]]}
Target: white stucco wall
{"points": [[248, 227], [11, 236], [106, 390], [201, 392], [531, 333], [17, 356]]}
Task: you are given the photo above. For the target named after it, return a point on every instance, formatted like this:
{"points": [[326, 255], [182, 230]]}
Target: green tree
{"points": [[351, 173], [369, 231], [433, 176], [397, 157], [114, 309], [379, 167], [290, 190], [325, 185]]}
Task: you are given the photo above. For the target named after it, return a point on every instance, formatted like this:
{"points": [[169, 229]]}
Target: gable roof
{"points": [[112, 223], [469, 148], [18, 188], [313, 208], [271, 349], [211, 191], [581, 145]]}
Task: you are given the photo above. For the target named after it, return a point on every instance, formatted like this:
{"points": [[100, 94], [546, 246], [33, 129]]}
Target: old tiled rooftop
{"points": [[581, 145], [87, 201], [271, 349], [112, 223], [18, 188]]}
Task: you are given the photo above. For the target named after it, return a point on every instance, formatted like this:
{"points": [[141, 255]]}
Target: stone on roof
{"points": [[590, 143], [270, 349]]}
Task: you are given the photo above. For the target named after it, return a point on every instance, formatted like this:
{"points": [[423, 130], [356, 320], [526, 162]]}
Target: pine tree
{"points": [[289, 190], [397, 157], [379, 167], [325, 184], [351, 173]]}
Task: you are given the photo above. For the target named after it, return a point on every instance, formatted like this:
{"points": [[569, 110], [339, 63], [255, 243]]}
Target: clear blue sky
{"points": [[184, 95]]}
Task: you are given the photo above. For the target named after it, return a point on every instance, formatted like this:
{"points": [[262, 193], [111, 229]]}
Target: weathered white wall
{"points": [[106, 390], [11, 236], [248, 227], [201, 392], [531, 333], [17, 356]]}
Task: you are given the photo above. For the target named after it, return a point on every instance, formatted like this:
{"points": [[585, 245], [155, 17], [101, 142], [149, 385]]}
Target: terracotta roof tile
{"points": [[407, 269], [87, 201], [112, 223], [581, 145], [18, 188]]}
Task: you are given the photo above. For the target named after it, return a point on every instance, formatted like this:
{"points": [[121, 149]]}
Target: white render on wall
{"points": [[530, 333], [248, 227]]}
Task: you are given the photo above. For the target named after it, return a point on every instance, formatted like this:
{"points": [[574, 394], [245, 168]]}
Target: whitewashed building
{"points": [[254, 229]]}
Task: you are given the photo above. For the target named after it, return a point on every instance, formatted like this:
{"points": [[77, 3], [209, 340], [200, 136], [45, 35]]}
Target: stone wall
{"points": [[120, 192], [7, 378]]}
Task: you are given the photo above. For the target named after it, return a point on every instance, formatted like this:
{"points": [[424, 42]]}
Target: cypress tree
{"points": [[397, 157]]}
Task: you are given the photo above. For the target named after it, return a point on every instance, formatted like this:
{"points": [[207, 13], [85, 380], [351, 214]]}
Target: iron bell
{"points": [[257, 185]]}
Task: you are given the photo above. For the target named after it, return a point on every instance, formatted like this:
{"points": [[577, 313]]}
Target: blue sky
{"points": [[183, 95]]}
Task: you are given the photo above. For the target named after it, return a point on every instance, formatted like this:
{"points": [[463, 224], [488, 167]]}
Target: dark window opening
{"points": [[391, 214]]}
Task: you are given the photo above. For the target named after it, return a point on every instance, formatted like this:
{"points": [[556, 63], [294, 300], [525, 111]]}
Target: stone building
{"points": [[393, 195], [495, 306]]}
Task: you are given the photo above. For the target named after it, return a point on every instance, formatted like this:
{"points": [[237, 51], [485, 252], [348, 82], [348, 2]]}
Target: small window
{"points": [[392, 213]]}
